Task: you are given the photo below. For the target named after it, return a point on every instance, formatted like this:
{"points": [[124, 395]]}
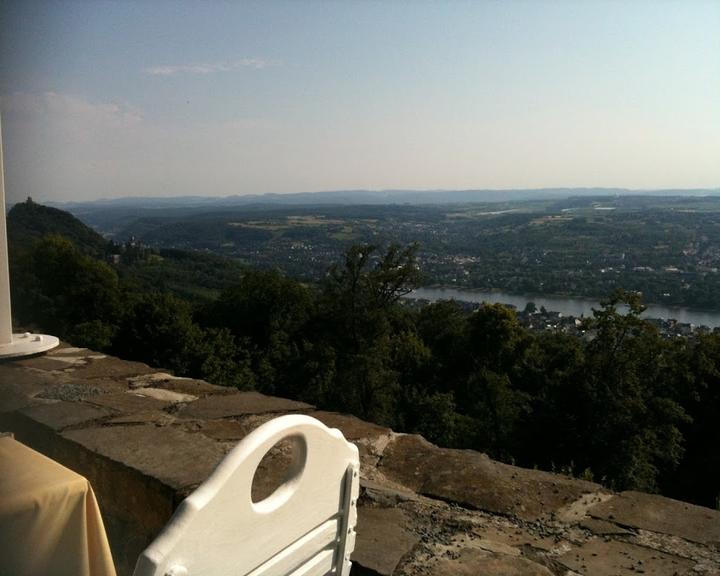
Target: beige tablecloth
{"points": [[50, 523]]}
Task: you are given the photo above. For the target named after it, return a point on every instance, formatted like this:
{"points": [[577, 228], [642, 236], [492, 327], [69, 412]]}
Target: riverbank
{"points": [[576, 307]]}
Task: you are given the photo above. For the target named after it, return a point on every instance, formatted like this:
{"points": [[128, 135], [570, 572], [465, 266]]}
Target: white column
{"points": [[13, 345], [5, 314]]}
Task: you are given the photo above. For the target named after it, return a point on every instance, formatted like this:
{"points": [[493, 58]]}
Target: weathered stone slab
{"points": [[69, 360], [578, 509], [45, 363], [12, 399], [63, 350], [476, 562], [601, 557], [128, 402], [660, 514], [239, 404], [227, 430], [602, 527], [224, 430], [496, 547], [60, 415], [156, 417], [111, 367], [383, 495], [382, 539], [352, 427], [28, 381], [105, 385], [177, 458], [506, 532], [72, 352], [167, 381], [370, 439], [472, 479], [18, 387], [165, 395], [63, 346], [69, 391]]}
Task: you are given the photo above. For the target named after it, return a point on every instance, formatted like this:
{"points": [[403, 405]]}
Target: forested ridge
{"points": [[624, 406]]}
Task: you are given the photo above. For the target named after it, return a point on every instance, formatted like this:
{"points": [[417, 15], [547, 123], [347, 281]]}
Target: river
{"points": [[567, 306]]}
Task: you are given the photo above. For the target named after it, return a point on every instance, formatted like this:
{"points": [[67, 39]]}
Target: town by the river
{"points": [[574, 307]]}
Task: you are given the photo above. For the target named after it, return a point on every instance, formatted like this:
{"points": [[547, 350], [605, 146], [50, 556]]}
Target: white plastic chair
{"points": [[305, 528]]}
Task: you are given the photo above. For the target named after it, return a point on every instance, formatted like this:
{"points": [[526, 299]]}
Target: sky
{"points": [[133, 98]]}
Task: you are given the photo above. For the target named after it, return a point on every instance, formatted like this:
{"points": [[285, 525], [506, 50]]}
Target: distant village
{"points": [[542, 320]]}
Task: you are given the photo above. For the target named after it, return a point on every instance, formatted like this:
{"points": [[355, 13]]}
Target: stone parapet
{"points": [[145, 439]]}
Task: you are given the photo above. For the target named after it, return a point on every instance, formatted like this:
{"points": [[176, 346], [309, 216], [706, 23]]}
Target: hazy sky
{"points": [[107, 99]]}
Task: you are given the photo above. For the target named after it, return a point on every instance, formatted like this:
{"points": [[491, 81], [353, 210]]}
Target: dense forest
{"points": [[622, 406]]}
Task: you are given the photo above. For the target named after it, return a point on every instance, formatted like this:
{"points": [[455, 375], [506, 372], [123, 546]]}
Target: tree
{"points": [[219, 358], [442, 328], [358, 317], [361, 293], [157, 328], [263, 304], [68, 293], [479, 364], [696, 374], [632, 434], [558, 409], [497, 339], [267, 312]]}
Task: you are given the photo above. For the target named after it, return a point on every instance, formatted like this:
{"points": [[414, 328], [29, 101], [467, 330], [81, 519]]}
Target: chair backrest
{"points": [[305, 528]]}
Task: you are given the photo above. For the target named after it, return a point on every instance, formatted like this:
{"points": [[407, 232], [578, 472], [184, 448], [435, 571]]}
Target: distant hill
{"points": [[193, 274], [113, 216], [28, 221], [350, 197]]}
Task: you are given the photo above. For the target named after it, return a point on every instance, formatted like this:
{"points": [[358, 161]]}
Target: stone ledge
{"points": [[239, 404], [662, 515], [472, 479], [178, 459], [145, 439]]}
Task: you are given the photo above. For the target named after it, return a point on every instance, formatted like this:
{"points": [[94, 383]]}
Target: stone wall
{"points": [[145, 439]]}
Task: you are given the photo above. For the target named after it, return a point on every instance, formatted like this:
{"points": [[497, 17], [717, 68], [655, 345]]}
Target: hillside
{"points": [[190, 273], [28, 221]]}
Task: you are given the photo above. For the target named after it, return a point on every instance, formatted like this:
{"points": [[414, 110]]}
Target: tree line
{"points": [[624, 406]]}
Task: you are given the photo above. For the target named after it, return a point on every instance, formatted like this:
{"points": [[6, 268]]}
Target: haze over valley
{"points": [[576, 243]]}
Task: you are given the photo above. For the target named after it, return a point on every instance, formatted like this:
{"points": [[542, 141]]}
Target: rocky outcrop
{"points": [[145, 439]]}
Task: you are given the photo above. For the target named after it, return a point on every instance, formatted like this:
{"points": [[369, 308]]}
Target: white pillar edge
{"points": [[13, 345]]}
